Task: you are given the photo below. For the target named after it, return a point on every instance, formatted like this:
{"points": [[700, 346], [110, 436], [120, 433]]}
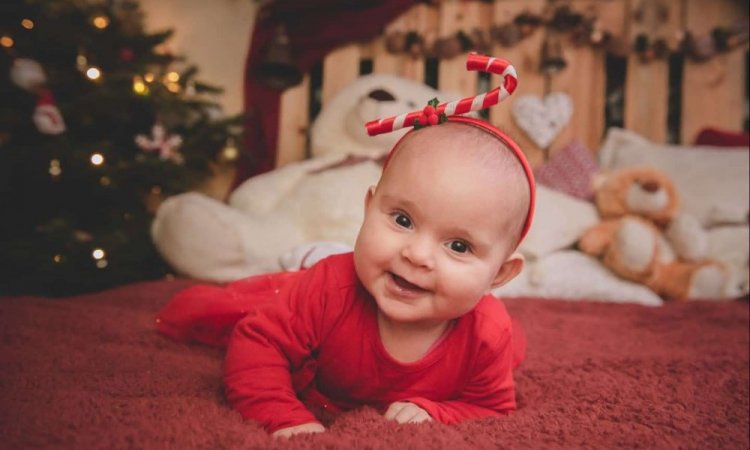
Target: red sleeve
{"points": [[271, 343], [489, 391]]}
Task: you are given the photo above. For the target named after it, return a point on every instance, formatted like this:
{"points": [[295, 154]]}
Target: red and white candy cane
{"points": [[478, 102]]}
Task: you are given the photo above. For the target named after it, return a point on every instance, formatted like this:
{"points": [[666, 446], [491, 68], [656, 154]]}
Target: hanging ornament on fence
{"points": [[552, 59], [166, 146], [543, 118], [278, 69]]}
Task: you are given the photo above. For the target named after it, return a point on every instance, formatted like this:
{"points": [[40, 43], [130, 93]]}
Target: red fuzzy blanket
{"points": [[90, 372]]}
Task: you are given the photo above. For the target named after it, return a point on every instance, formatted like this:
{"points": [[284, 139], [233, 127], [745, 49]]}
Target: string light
{"points": [[139, 87], [97, 159], [93, 73], [81, 61], [173, 87], [230, 152], [54, 168], [105, 181], [98, 253], [102, 263], [27, 23], [57, 259], [6, 41], [173, 77], [101, 21], [149, 77]]}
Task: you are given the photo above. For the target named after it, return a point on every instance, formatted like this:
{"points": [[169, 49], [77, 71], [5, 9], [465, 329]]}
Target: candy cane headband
{"points": [[429, 116]]}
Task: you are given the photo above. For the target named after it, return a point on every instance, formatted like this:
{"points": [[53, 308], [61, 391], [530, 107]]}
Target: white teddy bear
{"points": [[291, 217]]}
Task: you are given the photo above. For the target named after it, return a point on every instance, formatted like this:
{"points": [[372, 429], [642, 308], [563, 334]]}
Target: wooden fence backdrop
{"points": [[713, 92]]}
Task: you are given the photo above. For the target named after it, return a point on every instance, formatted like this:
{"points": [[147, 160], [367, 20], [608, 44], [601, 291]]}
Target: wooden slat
{"points": [[525, 58], [713, 92], [584, 79], [456, 15], [420, 18], [647, 82], [293, 124], [340, 67]]}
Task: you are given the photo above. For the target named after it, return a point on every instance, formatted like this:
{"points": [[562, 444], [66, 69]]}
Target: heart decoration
{"points": [[542, 119]]}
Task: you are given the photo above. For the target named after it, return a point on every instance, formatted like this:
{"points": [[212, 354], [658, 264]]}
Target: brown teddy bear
{"points": [[643, 236]]}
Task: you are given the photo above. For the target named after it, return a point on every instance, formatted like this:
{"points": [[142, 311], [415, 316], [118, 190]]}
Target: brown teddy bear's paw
{"points": [[635, 243], [708, 281]]}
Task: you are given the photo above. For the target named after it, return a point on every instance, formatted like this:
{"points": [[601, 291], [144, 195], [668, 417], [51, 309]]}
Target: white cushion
{"points": [[559, 221], [713, 182], [731, 245], [572, 275]]}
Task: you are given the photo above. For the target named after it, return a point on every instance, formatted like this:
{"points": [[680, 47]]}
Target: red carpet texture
{"points": [[90, 372]]}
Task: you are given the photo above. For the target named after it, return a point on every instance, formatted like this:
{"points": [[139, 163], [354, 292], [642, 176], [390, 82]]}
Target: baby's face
{"points": [[436, 230]]}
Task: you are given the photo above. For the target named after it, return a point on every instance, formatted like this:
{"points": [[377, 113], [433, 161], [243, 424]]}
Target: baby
{"points": [[405, 323]]}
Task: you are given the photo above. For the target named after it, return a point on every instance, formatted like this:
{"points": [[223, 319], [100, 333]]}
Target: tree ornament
{"points": [[54, 168], [126, 54], [229, 153], [167, 146], [27, 74], [47, 116], [82, 62], [153, 199]]}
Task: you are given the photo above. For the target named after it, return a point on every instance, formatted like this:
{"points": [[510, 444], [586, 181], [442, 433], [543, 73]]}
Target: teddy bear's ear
{"points": [[598, 180]]}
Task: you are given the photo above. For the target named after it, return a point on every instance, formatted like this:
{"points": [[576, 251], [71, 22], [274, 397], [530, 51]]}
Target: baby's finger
{"points": [[394, 409], [407, 413], [421, 416]]}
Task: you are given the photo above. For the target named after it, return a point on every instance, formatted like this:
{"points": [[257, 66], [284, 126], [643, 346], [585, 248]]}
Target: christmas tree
{"points": [[98, 123]]}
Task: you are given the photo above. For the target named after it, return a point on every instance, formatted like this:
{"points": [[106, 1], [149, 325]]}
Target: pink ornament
{"points": [[167, 146]]}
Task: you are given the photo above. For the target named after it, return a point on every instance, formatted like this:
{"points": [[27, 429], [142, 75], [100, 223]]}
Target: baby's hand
{"points": [[405, 412], [312, 427]]}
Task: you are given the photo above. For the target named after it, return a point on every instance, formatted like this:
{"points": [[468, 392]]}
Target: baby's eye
{"points": [[402, 220], [459, 246]]}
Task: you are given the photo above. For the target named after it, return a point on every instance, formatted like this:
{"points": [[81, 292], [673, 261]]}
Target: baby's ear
{"points": [[368, 196], [509, 270]]}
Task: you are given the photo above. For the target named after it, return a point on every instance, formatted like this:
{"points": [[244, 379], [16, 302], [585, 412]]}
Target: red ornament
{"points": [[433, 119], [126, 54], [429, 110]]}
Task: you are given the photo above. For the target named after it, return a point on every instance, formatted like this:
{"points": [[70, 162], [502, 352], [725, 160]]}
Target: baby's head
{"points": [[442, 225]]}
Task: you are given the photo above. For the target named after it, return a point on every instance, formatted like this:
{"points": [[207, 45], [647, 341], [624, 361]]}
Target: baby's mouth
{"points": [[405, 284]]}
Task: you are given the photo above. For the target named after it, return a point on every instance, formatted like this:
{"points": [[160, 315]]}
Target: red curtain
{"points": [[314, 27]]}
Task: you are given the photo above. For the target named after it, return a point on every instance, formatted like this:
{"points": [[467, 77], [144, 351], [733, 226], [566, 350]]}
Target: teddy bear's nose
{"points": [[649, 186]]}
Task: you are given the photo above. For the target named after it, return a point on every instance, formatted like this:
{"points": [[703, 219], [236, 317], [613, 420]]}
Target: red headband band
{"points": [[478, 102]]}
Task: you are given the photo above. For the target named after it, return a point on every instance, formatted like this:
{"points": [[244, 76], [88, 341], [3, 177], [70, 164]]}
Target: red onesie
{"points": [[309, 341]]}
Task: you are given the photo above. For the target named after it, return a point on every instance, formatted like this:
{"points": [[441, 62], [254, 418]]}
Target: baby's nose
{"points": [[418, 251]]}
